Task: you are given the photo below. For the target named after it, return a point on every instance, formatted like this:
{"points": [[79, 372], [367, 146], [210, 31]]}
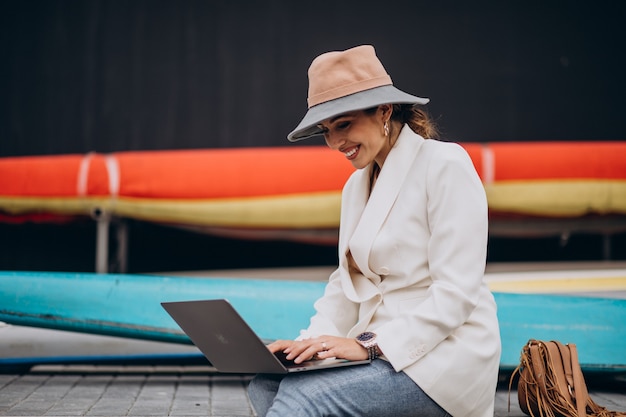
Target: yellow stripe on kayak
{"points": [[557, 198], [294, 211], [54, 205], [561, 285], [291, 211]]}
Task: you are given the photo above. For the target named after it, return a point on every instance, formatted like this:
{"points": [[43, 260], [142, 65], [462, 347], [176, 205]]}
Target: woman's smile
{"points": [[352, 153]]}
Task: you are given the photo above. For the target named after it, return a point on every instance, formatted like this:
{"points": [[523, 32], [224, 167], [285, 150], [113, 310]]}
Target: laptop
{"points": [[228, 342]]}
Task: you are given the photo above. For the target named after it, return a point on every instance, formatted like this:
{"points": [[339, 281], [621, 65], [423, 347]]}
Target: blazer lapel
{"points": [[353, 202], [383, 197]]}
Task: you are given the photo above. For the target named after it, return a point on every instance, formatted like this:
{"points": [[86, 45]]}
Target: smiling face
{"points": [[360, 135]]}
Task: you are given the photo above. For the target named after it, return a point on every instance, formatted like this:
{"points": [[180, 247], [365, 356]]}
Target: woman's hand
{"points": [[321, 347]]}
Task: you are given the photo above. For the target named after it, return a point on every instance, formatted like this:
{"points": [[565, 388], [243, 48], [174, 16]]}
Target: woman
{"points": [[409, 291]]}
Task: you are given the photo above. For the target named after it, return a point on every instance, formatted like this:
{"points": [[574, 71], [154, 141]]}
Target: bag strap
{"points": [[568, 364], [536, 358], [580, 387], [574, 377]]}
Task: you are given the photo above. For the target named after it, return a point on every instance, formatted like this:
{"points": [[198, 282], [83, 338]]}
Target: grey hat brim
{"points": [[362, 100]]}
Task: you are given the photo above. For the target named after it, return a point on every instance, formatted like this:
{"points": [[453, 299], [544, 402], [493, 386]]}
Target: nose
{"points": [[333, 141]]}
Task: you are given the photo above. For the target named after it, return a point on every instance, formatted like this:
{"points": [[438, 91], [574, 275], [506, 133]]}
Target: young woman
{"points": [[409, 291]]}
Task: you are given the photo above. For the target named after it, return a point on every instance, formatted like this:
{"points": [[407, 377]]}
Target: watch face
{"points": [[364, 337]]}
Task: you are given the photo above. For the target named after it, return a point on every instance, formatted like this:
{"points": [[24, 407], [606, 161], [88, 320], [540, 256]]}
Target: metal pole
{"points": [[103, 221], [122, 246]]}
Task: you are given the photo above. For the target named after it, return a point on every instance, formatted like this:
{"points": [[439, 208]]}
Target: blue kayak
{"points": [[128, 305]]}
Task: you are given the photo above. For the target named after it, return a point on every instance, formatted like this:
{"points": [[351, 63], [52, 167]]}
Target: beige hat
{"points": [[344, 81]]}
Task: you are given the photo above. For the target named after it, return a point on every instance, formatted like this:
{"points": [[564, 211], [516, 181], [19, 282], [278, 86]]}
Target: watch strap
{"points": [[372, 352]]}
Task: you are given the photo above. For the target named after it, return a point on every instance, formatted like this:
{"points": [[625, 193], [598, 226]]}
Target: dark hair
{"points": [[417, 118]]}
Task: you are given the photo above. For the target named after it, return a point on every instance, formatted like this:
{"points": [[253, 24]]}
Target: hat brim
{"points": [[362, 100]]}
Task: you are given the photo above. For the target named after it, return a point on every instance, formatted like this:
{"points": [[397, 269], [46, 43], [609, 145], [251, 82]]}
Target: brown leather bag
{"points": [[551, 383]]}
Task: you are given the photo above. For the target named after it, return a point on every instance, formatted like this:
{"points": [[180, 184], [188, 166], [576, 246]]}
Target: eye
{"points": [[343, 125]]}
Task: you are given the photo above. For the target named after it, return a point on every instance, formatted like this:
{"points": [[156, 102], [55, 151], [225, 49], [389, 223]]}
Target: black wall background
{"points": [[110, 75]]}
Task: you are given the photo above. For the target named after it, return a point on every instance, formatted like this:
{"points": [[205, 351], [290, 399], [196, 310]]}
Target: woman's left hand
{"points": [[321, 347]]}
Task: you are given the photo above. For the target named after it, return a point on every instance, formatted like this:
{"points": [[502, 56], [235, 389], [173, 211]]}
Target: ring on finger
{"points": [[324, 346]]}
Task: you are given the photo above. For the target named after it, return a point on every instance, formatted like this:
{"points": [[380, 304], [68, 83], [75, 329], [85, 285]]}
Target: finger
{"points": [[327, 352], [298, 349], [319, 350], [303, 350], [307, 354], [279, 345]]}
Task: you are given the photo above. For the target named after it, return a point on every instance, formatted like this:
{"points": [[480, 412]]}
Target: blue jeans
{"points": [[368, 390]]}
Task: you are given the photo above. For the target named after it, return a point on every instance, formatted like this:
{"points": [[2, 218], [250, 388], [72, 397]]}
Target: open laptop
{"points": [[229, 343]]}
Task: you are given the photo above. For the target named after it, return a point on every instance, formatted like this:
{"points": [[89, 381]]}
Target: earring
{"points": [[386, 128]]}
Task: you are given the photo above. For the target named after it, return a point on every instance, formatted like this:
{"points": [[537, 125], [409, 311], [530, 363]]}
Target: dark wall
{"points": [[80, 76], [156, 248]]}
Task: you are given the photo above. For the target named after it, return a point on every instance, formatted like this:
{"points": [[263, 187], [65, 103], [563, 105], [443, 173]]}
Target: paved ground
{"points": [[63, 390], [123, 391]]}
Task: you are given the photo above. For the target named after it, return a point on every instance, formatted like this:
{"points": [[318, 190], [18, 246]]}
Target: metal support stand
{"points": [[104, 222], [122, 246]]}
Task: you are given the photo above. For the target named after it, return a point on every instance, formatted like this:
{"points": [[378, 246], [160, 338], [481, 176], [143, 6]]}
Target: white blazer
{"points": [[419, 243]]}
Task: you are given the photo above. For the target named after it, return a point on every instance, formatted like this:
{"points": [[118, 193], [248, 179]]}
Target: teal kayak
{"points": [[129, 305]]}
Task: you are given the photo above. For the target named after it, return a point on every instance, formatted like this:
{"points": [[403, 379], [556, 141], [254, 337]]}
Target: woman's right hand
{"points": [[321, 347]]}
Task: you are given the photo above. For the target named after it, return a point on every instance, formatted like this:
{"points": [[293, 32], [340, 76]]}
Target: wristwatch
{"points": [[368, 341]]}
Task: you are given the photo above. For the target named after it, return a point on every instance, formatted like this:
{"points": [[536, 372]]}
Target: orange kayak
{"points": [[294, 188]]}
